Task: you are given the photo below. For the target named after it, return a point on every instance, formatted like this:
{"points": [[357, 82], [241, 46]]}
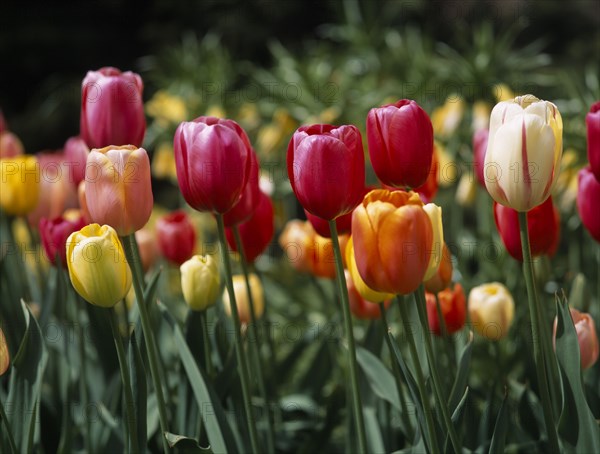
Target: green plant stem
{"points": [[442, 400], [343, 291], [130, 246], [419, 375], [538, 343], [397, 375], [206, 341], [11, 439], [126, 380], [84, 391], [255, 341], [239, 346]]}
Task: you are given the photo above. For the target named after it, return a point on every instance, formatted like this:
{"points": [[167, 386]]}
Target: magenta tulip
{"points": [[588, 195], [54, 234], [249, 199], [76, 153], [592, 120], [176, 236]]}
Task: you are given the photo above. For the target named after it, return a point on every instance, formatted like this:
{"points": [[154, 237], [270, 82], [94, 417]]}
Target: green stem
{"points": [[419, 374], [442, 401], [206, 341], [255, 341], [343, 292], [126, 380], [83, 390], [239, 346], [538, 343], [397, 375], [130, 246], [11, 439]]}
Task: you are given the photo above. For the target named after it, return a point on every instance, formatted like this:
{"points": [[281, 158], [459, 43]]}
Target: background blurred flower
{"points": [[241, 297], [491, 309], [10, 145], [586, 335], [76, 153], [200, 281], [166, 108], [453, 304], [446, 118], [146, 242], [4, 354], [588, 196], [592, 120], [54, 234], [19, 184], [176, 236]]}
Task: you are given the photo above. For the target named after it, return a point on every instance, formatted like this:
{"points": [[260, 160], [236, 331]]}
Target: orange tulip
{"points": [[442, 277], [393, 240], [117, 187]]}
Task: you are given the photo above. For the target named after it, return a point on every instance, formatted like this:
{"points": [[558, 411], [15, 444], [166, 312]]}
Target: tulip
{"points": [[393, 238], [543, 225], [586, 336], [19, 185], [249, 199], [83, 202], [481, 115], [588, 195], [97, 265], [54, 233], [76, 154], [523, 153], [592, 120], [491, 309], [480, 143], [343, 224], [112, 109], [147, 246], [326, 168], [10, 145], [429, 189], [176, 236], [118, 188], [213, 163], [447, 118], [434, 213], [4, 354], [442, 277], [400, 138], [466, 191], [200, 281], [256, 232], [453, 305], [241, 297], [361, 308], [358, 284]]}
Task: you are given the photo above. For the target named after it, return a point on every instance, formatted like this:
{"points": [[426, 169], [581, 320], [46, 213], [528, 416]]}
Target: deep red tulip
{"points": [[244, 208], [592, 120], [326, 168], [480, 140], [176, 236], [256, 233], [76, 153], [453, 304], [213, 163], [543, 226], [588, 195], [54, 234], [400, 140], [112, 109]]}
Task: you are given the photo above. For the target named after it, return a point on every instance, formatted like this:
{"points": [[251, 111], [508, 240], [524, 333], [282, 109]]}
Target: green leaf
{"points": [[214, 418], [577, 425], [462, 375], [373, 431], [457, 417], [499, 436], [139, 389], [185, 445], [379, 377]]}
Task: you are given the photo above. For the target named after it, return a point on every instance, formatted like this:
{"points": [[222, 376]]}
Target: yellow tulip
{"points": [[447, 118], [492, 309], [97, 265], [200, 281], [241, 297], [19, 185], [434, 213]]}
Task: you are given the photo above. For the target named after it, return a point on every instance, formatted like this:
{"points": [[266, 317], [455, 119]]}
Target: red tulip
{"points": [[326, 168], [112, 109], [400, 140], [480, 141], [543, 227], [588, 195], [213, 163], [592, 120], [76, 153], [256, 233], [361, 308], [453, 304], [176, 236], [343, 224], [244, 208], [54, 234]]}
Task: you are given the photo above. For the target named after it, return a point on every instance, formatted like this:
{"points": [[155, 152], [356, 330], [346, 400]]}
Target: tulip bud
{"points": [[4, 354], [200, 281], [97, 265], [10, 145], [442, 277], [249, 199], [592, 120], [256, 232], [400, 138], [19, 185], [358, 284], [76, 154], [118, 188], [361, 308], [453, 305], [586, 336], [112, 109], [326, 168], [241, 297], [147, 246], [588, 195], [54, 234], [523, 153], [491, 308], [543, 225], [213, 159], [393, 240], [176, 236]]}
